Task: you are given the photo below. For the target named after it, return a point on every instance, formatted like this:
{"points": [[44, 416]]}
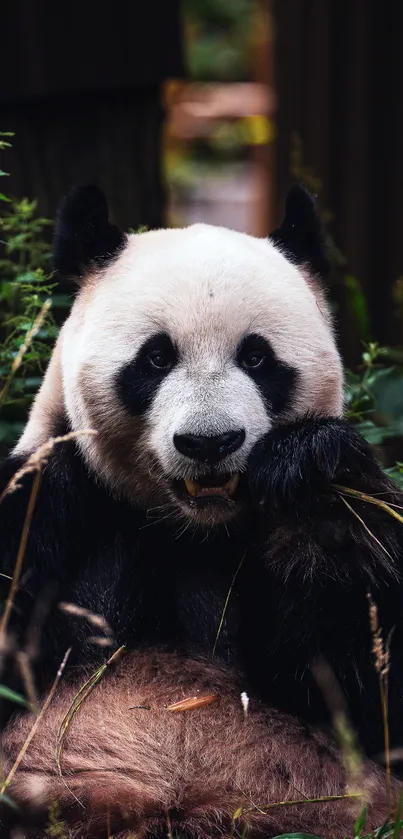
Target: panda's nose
{"points": [[209, 449]]}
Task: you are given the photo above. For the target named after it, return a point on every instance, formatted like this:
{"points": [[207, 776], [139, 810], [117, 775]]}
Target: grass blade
{"points": [[12, 696]]}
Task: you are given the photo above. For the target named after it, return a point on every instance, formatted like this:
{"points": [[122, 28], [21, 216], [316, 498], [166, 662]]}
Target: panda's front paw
{"points": [[295, 464]]}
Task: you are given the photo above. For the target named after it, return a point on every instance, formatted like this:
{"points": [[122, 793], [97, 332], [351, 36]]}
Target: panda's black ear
{"points": [[84, 237], [301, 235]]}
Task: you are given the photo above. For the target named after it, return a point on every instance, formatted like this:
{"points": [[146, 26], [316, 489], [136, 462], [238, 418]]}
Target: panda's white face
{"points": [[182, 354]]}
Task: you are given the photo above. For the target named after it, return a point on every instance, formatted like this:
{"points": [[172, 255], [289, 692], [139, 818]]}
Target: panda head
{"points": [[184, 347]]}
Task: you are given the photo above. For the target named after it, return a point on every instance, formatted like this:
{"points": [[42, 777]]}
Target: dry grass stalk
{"points": [[38, 459], [336, 703], [380, 648], [293, 803], [169, 827], [20, 557], [28, 680], [36, 326], [97, 621], [35, 463], [381, 654], [35, 726], [240, 809], [365, 526], [101, 641], [220, 626], [80, 612], [370, 499], [79, 699]]}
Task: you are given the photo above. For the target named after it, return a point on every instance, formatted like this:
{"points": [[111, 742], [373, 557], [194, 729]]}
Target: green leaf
{"points": [[375, 434], [360, 823], [387, 388], [297, 836], [9, 801], [4, 198], [398, 822], [396, 475], [62, 301], [12, 696], [385, 829], [3, 174]]}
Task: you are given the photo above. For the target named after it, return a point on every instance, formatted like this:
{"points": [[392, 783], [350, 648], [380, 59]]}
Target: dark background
{"points": [[208, 110]]}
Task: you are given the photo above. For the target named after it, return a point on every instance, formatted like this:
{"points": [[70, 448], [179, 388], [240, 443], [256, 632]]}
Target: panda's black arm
{"points": [[43, 566], [48, 530], [70, 555], [298, 472], [322, 560], [83, 548]]}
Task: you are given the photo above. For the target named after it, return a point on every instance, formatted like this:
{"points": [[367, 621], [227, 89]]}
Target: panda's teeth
{"points": [[232, 485], [191, 487], [228, 489]]}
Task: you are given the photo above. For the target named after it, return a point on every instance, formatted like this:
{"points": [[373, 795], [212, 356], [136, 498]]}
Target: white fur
{"points": [[207, 287]]}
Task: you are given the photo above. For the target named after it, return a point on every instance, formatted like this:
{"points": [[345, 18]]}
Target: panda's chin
{"points": [[211, 499]]}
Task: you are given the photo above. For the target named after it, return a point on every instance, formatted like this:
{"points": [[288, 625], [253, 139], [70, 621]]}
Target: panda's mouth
{"points": [[210, 499], [212, 486]]}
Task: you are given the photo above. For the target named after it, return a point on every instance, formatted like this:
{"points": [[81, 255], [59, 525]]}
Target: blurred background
{"points": [[208, 110]]}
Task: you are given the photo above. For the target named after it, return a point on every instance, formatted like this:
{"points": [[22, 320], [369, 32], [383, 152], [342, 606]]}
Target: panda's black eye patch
{"points": [[138, 381], [275, 379]]}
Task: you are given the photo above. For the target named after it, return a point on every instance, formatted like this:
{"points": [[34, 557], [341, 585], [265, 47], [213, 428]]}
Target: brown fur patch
{"points": [[196, 769], [120, 453]]}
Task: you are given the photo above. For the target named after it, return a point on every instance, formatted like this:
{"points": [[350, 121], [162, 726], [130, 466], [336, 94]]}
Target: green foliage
{"points": [[12, 696], [56, 828], [8, 801], [24, 287], [219, 39], [4, 144], [360, 823], [374, 394], [296, 836]]}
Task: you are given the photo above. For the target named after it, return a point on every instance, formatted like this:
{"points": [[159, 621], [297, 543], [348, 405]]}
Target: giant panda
{"points": [[200, 527]]}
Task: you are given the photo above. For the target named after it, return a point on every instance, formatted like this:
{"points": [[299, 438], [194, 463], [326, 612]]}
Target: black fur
{"points": [[305, 560], [301, 235], [305, 457], [84, 237], [138, 381], [275, 379]]}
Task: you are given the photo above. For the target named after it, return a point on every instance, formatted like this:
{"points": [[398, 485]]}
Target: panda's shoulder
{"points": [[59, 489], [56, 472]]}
